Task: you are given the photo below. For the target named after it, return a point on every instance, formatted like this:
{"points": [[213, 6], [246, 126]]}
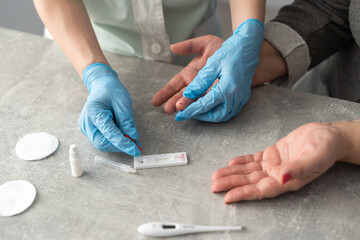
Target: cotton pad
{"points": [[15, 197], [36, 146]]}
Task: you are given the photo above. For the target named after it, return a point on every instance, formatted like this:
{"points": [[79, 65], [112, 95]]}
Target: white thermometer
{"points": [[161, 229]]}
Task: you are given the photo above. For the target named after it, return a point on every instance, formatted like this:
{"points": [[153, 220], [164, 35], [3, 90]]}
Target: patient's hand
{"points": [[271, 66], [205, 46], [295, 160]]}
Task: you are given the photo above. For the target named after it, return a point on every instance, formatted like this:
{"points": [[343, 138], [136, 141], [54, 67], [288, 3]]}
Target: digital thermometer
{"points": [[161, 229]]}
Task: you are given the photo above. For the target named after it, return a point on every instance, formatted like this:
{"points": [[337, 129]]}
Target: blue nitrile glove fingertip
{"points": [[179, 117], [128, 146], [135, 151], [189, 93]]}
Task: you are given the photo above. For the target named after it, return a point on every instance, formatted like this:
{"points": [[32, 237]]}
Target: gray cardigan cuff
{"points": [[292, 47]]}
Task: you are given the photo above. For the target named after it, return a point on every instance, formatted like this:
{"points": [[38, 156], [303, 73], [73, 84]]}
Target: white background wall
{"points": [[21, 15]]}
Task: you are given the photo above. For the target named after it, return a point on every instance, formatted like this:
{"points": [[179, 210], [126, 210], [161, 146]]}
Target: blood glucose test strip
{"points": [[160, 160]]}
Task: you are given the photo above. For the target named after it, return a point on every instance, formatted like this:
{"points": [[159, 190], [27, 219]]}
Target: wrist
{"points": [[350, 134], [272, 65], [257, 21], [88, 61], [95, 72]]}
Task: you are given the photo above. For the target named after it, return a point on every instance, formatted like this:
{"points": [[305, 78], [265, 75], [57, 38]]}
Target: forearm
{"points": [[69, 24], [269, 61], [241, 10], [323, 25], [350, 133]]}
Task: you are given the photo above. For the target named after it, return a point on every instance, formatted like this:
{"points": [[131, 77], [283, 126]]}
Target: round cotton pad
{"points": [[15, 197], [36, 146]]}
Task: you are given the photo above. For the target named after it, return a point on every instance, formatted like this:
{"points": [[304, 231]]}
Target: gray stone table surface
{"points": [[40, 91]]}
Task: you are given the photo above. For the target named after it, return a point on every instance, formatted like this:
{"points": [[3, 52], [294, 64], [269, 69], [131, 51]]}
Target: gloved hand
{"points": [[204, 47], [107, 115], [234, 64]]}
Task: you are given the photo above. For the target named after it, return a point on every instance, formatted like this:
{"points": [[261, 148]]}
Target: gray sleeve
{"points": [[308, 32]]}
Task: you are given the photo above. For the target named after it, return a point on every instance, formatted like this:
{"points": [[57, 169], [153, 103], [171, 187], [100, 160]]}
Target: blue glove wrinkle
{"points": [[104, 122], [94, 135], [234, 63], [96, 70], [102, 143]]}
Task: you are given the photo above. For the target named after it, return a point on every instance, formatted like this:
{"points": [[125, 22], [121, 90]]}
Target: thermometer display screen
{"points": [[168, 226]]}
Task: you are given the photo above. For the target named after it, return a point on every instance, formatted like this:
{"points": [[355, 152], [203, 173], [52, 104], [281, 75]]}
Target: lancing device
{"points": [[162, 229]]}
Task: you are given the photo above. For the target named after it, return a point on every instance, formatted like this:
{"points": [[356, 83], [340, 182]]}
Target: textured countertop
{"points": [[40, 91]]}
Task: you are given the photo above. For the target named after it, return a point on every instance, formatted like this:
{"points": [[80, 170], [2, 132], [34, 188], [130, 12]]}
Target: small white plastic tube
{"points": [[113, 164], [75, 163]]}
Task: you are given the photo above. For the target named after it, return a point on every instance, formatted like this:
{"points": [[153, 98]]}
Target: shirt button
{"points": [[156, 48]]}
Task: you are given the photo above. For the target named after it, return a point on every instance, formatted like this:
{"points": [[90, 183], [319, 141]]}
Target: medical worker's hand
{"points": [[295, 160], [107, 115], [234, 64], [205, 47]]}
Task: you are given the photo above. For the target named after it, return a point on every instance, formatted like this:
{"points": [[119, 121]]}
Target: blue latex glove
{"points": [[234, 64], [107, 115]]}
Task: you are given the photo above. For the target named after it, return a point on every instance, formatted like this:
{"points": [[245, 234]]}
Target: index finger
{"points": [[190, 46], [265, 188], [236, 169], [171, 88]]}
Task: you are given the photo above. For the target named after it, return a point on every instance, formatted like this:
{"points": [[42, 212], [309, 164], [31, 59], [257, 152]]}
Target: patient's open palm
{"points": [[292, 162]]}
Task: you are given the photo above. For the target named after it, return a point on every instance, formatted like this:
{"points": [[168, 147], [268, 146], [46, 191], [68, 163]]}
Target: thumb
{"points": [[299, 168]]}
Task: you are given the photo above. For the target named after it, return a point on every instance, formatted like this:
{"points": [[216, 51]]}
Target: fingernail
{"points": [[127, 136], [286, 178]]}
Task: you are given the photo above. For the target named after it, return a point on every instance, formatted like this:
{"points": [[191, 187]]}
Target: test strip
{"points": [[160, 160]]}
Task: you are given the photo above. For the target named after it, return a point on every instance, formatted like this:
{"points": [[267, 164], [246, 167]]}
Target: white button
{"points": [[156, 48]]}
